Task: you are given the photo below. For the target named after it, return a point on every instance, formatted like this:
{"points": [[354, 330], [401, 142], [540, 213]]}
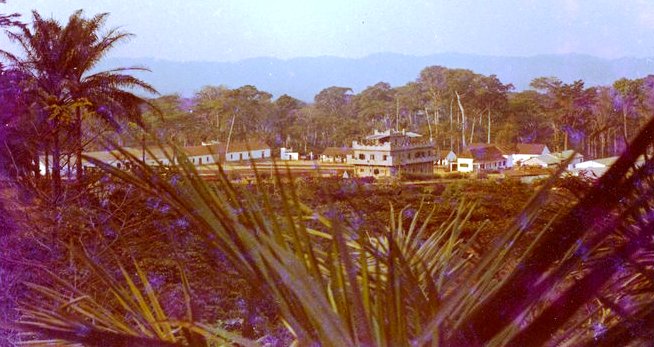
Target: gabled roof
{"points": [[547, 159], [246, 146], [530, 148], [337, 151], [505, 149], [476, 145], [606, 161], [151, 153], [466, 154], [194, 151], [567, 153], [514, 148], [483, 154], [442, 154]]}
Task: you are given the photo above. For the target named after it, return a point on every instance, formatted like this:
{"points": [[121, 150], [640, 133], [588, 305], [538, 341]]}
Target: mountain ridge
{"points": [[304, 77]]}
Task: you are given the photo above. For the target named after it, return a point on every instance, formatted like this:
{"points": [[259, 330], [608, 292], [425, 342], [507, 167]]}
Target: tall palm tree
{"points": [[61, 60], [107, 93]]}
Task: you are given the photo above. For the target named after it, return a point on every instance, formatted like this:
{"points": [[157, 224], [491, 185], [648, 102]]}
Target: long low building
{"points": [[164, 156], [485, 156]]}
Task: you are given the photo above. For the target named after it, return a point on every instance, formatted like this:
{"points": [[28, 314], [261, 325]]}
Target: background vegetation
{"points": [[151, 258]]}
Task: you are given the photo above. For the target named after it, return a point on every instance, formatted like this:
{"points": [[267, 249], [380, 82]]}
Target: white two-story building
{"points": [[391, 153]]}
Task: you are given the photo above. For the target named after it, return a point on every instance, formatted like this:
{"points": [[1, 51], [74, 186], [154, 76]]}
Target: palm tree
{"points": [[107, 93], [61, 59]]}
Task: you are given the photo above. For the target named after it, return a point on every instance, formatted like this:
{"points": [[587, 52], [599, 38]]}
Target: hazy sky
{"points": [[223, 30]]}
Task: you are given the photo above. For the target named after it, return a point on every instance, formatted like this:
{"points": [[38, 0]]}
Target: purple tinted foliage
{"points": [[182, 223], [598, 329], [357, 222], [175, 179], [278, 140], [109, 232], [528, 138], [648, 92], [157, 205], [334, 214], [409, 213], [82, 330], [270, 340], [582, 251], [156, 280], [348, 188], [575, 136], [219, 255], [523, 220]]}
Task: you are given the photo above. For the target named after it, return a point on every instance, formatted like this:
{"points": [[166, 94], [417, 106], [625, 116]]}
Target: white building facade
{"points": [[392, 153]]}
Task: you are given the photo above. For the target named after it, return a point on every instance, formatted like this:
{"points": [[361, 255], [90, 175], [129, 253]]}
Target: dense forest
{"points": [[149, 257], [454, 107]]}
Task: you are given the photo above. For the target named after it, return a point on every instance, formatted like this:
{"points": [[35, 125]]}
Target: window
{"points": [[376, 171], [207, 159], [200, 161], [362, 156], [372, 157], [385, 157], [360, 170], [464, 165], [409, 155]]}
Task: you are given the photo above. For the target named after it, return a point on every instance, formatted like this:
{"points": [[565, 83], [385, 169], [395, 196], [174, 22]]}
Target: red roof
{"points": [[483, 154], [246, 146], [530, 148], [337, 151], [515, 148]]}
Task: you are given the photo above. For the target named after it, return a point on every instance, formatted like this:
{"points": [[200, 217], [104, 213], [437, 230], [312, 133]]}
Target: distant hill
{"points": [[305, 77]]}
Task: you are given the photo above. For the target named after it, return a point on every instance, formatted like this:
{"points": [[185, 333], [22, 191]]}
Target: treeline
{"points": [[454, 107], [54, 103]]}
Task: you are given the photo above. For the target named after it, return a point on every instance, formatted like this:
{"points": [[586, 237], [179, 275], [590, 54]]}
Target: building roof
{"points": [[104, 156], [505, 149], [391, 132], [567, 153], [466, 154], [483, 154], [443, 154], [530, 148], [600, 162], [476, 145], [514, 148], [246, 146], [605, 161], [337, 151], [546, 159], [194, 151], [151, 153]]}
